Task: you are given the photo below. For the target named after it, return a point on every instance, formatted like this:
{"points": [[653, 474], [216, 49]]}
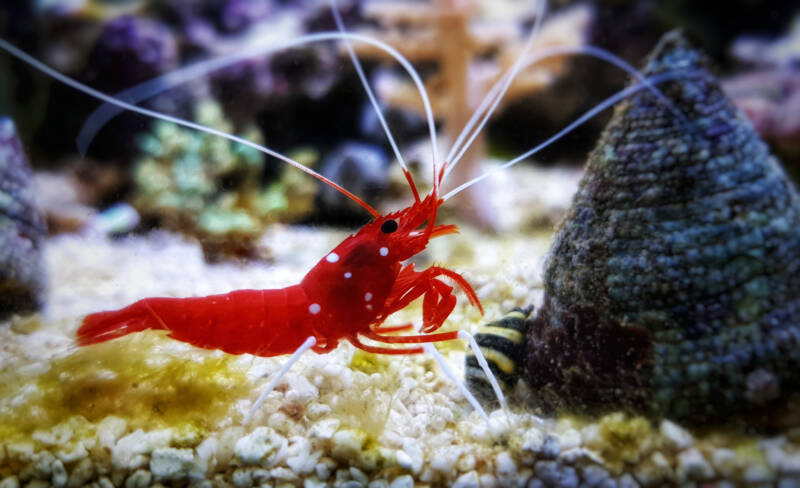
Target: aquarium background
{"points": [[145, 208]]}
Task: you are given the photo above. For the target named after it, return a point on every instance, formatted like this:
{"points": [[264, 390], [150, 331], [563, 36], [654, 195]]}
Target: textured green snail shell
{"points": [[673, 284]]}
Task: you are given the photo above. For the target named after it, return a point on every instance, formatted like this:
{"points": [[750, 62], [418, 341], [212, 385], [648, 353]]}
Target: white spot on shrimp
{"points": [[369, 307], [384, 251], [348, 275], [314, 308], [332, 257], [367, 296]]}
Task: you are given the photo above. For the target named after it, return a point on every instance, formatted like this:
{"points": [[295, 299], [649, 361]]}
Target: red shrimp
{"points": [[347, 295]]}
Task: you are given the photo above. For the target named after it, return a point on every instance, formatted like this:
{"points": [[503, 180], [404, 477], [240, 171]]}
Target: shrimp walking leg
{"points": [[437, 356], [307, 344], [501, 398], [438, 300], [382, 329]]}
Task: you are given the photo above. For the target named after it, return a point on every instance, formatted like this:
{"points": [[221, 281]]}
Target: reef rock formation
{"points": [[21, 228], [673, 285]]}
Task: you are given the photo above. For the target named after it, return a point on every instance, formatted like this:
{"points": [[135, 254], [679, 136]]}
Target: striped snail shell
{"points": [[673, 285], [502, 343]]}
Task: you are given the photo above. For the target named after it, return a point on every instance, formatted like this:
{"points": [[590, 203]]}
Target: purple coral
{"points": [[129, 50]]}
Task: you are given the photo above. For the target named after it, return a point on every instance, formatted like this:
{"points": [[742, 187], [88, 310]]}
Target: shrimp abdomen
{"points": [[261, 322]]}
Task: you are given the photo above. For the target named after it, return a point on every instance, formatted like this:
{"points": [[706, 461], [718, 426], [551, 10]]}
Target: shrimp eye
{"points": [[389, 226]]}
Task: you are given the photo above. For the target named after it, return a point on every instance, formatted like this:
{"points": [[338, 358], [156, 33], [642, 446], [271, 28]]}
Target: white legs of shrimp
{"points": [[463, 334], [308, 344], [427, 347], [431, 349]]}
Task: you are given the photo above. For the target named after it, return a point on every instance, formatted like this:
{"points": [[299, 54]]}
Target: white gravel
{"points": [[327, 423]]}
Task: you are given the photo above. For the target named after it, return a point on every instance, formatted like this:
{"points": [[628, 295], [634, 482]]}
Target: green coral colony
{"points": [[673, 285], [210, 187]]}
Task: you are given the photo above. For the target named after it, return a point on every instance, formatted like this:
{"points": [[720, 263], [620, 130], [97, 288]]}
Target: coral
{"points": [[203, 23], [783, 52], [136, 48], [771, 99], [22, 228], [208, 186], [768, 91], [673, 285], [117, 54]]}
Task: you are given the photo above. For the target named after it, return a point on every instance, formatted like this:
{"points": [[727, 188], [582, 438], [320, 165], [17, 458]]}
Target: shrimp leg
{"points": [[392, 328], [307, 344], [439, 300]]}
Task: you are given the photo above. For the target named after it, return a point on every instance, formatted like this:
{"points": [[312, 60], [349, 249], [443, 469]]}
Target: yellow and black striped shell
{"points": [[502, 343], [673, 285]]}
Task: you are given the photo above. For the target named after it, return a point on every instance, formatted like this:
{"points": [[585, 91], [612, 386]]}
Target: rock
{"points": [[676, 435], [81, 473], [262, 446], [22, 229], [362, 169], [347, 444], [468, 480], [402, 481], [693, 466], [59, 474], [553, 474], [139, 479], [169, 463], [129, 452]]}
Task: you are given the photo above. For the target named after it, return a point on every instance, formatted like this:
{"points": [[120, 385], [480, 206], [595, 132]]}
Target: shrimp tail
{"points": [[104, 326], [261, 322]]}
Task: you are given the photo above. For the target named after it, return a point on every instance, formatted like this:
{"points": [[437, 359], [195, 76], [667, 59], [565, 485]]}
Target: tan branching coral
{"points": [[471, 58]]}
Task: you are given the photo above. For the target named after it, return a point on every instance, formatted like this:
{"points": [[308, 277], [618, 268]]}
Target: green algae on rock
{"points": [[22, 228], [211, 187], [673, 284]]}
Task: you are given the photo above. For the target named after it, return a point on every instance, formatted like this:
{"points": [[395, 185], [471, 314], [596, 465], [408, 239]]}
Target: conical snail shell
{"points": [[673, 284]]}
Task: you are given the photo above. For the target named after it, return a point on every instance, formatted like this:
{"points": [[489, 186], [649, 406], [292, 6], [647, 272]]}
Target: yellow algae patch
{"points": [[622, 439], [141, 378], [369, 363], [365, 404]]}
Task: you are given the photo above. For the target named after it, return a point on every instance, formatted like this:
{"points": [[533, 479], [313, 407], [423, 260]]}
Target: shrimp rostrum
{"points": [[352, 290]]}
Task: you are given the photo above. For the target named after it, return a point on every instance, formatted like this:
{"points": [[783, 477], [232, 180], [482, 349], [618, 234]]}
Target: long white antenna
{"points": [[153, 87], [21, 55], [649, 82], [370, 94], [506, 82], [592, 51]]}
